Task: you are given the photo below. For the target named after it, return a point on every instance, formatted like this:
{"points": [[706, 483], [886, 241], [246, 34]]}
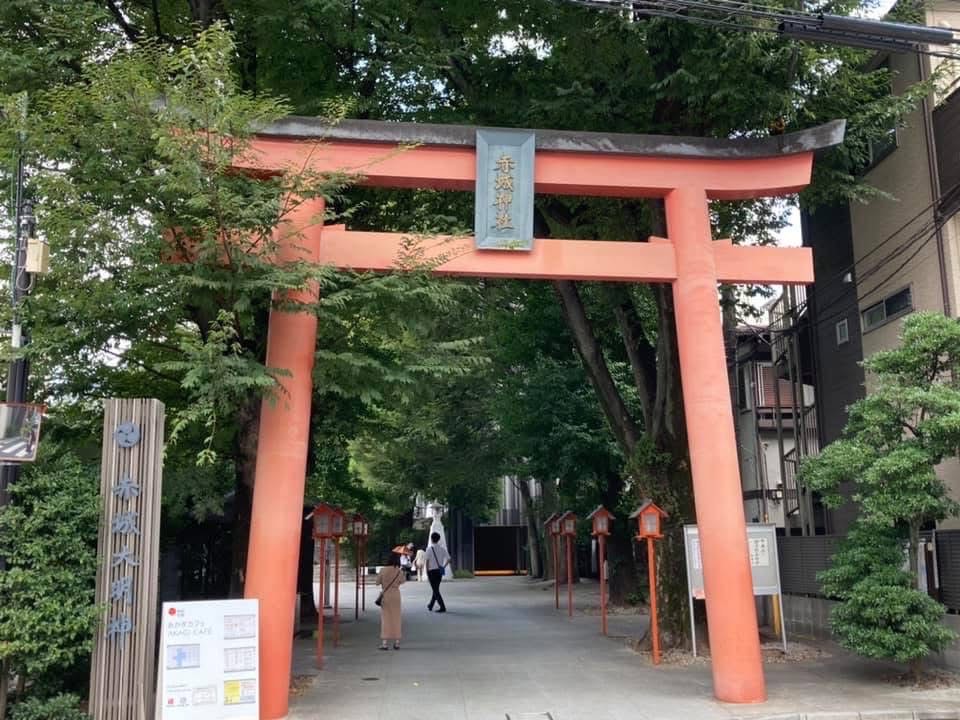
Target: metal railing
{"points": [[808, 441], [801, 558], [788, 308]]}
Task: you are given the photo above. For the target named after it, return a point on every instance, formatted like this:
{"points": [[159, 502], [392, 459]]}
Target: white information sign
{"points": [[764, 567], [209, 654]]}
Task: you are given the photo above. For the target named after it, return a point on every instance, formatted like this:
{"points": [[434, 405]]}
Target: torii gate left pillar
{"points": [[686, 173]]}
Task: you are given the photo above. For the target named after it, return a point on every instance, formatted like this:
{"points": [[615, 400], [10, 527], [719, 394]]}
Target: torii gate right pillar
{"points": [[731, 612]]}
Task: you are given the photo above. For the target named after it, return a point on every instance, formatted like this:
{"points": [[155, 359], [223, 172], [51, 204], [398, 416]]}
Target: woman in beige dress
{"points": [[390, 579]]}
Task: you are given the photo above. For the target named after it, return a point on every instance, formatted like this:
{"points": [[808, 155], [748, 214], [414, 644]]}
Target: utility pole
{"points": [[24, 229]]}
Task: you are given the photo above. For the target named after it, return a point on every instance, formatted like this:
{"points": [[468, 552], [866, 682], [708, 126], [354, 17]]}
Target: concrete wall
{"points": [[951, 656], [809, 617]]}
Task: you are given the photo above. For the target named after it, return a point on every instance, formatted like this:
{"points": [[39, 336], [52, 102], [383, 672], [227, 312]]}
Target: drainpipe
{"points": [[932, 172], [778, 420]]}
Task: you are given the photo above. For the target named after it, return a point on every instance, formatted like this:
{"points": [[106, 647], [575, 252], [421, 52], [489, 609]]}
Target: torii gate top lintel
{"points": [[380, 131], [568, 163], [443, 157]]}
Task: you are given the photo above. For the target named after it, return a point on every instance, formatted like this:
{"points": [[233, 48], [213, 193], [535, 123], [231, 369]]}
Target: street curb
{"points": [[865, 715]]}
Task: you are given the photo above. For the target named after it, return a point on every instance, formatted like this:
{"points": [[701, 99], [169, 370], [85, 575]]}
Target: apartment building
{"points": [[879, 261], [776, 425]]}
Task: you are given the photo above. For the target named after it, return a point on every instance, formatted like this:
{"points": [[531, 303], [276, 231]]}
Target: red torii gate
{"points": [[686, 173]]}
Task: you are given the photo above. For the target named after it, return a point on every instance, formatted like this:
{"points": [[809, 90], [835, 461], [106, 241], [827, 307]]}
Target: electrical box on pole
{"points": [[38, 257]]}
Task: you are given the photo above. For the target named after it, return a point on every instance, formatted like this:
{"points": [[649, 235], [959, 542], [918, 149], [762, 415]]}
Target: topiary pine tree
{"points": [[894, 439]]}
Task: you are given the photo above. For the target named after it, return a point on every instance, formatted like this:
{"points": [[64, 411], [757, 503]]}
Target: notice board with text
{"points": [[764, 562], [209, 661]]}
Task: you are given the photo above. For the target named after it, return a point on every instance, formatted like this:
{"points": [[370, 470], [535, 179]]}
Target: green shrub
{"points": [[58, 707], [462, 575], [880, 613], [47, 612]]}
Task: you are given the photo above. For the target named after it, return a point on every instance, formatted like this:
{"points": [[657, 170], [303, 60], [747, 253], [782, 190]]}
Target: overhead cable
{"points": [[797, 24]]}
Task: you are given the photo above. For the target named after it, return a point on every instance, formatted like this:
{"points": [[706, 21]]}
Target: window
{"points": [[878, 148], [892, 306], [843, 332]]}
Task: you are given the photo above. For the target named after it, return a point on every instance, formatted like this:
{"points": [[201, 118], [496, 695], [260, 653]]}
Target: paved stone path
{"points": [[502, 650]]}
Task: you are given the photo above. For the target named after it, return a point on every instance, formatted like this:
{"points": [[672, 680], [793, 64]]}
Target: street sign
{"points": [[209, 661]]}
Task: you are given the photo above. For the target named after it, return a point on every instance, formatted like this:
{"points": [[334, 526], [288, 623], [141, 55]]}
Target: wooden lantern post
{"points": [[363, 577], [555, 532], [568, 527], [337, 530], [649, 518], [322, 515], [601, 519], [552, 527], [356, 528]]}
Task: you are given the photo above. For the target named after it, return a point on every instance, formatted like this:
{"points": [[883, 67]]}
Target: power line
{"points": [[851, 268], [860, 297], [816, 27], [821, 321], [889, 258], [886, 260], [923, 235], [823, 28]]}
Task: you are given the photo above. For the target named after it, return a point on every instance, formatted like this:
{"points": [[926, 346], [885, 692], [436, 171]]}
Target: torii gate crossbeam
{"points": [[686, 173]]}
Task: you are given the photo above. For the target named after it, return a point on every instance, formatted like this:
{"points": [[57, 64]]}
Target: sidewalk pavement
{"points": [[503, 651]]}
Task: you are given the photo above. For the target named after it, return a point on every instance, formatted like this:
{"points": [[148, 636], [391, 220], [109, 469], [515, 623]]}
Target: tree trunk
{"points": [[246, 465], [533, 529], [913, 549], [664, 473], [548, 503], [4, 687], [548, 558], [659, 460], [621, 422], [574, 567], [624, 578]]}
